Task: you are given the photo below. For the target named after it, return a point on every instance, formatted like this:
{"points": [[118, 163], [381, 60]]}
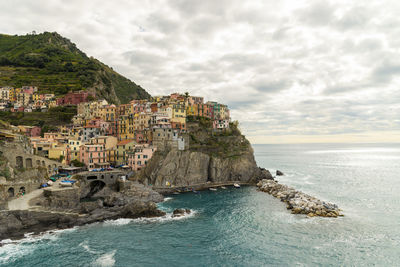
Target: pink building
{"points": [[140, 156], [175, 96], [94, 154], [31, 131], [138, 108], [29, 89], [74, 98], [195, 100]]}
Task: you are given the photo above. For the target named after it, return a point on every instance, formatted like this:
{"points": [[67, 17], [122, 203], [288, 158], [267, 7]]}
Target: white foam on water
{"points": [[14, 249], [168, 199], [122, 221], [166, 218], [105, 260], [86, 247]]}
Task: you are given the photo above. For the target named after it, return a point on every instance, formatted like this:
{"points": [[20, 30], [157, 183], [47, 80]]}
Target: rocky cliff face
{"points": [[215, 157], [64, 208], [185, 168]]}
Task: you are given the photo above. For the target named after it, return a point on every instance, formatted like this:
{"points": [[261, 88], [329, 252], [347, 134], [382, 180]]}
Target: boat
{"points": [[66, 184], [223, 187], [176, 193], [194, 191], [236, 185], [212, 189]]}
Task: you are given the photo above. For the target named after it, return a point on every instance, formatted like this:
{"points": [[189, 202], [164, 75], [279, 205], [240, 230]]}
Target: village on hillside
{"points": [[102, 136]]}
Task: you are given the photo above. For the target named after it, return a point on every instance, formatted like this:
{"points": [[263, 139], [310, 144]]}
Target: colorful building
{"points": [[75, 98], [122, 148], [139, 157]]}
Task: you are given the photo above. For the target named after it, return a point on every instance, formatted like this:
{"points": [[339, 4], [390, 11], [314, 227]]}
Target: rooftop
{"points": [[124, 142]]}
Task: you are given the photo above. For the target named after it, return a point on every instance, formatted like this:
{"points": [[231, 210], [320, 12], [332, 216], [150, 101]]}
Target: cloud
{"points": [[286, 68]]}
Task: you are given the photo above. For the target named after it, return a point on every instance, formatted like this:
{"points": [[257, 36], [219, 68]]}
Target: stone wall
{"points": [[26, 170], [20, 157]]}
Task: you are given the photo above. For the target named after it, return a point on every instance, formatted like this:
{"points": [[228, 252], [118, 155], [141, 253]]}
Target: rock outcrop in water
{"points": [[297, 201]]}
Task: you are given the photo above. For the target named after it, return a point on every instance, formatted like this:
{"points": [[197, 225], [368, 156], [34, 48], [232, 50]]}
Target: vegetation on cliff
{"points": [[56, 65], [229, 143], [47, 120]]}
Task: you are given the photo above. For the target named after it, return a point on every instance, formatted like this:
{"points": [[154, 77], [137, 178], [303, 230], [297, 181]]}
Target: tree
{"points": [[77, 163], [68, 67]]}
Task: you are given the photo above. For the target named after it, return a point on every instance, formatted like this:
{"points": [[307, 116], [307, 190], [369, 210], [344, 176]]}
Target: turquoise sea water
{"points": [[244, 227]]}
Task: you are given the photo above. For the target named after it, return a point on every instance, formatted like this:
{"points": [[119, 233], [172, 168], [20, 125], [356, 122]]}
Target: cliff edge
{"points": [[213, 157]]}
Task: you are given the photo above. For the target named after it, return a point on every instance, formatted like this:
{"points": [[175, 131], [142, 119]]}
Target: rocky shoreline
{"points": [[16, 223], [62, 209], [297, 201]]}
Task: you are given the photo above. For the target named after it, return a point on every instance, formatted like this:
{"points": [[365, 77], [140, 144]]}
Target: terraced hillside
{"points": [[56, 65]]}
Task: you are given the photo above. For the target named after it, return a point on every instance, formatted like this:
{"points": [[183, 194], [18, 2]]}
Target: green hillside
{"points": [[56, 65]]}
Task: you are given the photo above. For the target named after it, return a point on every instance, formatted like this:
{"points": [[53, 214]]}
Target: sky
{"points": [[294, 71]]}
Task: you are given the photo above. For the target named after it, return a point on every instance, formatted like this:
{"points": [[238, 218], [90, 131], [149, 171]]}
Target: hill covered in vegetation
{"points": [[55, 65], [48, 121]]}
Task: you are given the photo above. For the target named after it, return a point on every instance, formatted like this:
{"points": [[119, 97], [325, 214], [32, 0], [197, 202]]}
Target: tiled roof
{"points": [[124, 142]]}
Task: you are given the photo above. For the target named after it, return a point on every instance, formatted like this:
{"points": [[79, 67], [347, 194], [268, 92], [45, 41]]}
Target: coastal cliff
{"points": [[212, 157], [60, 208]]}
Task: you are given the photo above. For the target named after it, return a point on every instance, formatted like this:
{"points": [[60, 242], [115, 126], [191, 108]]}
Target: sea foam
{"points": [[105, 260], [14, 249], [166, 218]]}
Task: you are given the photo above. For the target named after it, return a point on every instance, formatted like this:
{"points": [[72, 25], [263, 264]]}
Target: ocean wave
{"points": [[105, 260], [121, 221], [166, 218], [14, 249], [85, 246]]}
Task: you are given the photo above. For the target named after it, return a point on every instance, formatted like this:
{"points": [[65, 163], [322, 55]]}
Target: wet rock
{"points": [[297, 201], [279, 173], [180, 212]]}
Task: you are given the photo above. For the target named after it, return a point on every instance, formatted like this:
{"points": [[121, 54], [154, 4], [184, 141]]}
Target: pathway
{"points": [[22, 202]]}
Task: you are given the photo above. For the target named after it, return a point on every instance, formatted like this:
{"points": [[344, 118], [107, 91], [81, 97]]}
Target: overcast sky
{"points": [[291, 71]]}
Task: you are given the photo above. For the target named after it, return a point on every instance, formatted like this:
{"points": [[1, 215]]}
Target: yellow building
{"points": [[178, 113], [122, 148], [108, 113], [74, 146], [13, 94], [23, 98], [192, 110], [35, 97], [58, 152], [126, 127], [52, 103], [142, 121]]}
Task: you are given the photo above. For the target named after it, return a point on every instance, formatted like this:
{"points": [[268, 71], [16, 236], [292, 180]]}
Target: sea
{"points": [[245, 227]]}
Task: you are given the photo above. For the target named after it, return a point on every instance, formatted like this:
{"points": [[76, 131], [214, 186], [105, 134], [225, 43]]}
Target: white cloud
{"points": [[287, 68]]}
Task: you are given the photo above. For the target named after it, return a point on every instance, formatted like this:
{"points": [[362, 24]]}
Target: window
{"points": [[145, 156]]}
